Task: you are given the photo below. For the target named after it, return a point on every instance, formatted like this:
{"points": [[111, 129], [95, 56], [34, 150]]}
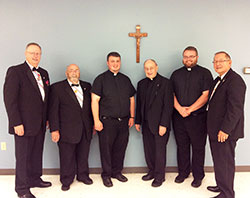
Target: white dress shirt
{"points": [[78, 92], [39, 80]]}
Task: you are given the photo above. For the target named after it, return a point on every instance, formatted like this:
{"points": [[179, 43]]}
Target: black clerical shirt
{"points": [[150, 84], [189, 83], [115, 92]]}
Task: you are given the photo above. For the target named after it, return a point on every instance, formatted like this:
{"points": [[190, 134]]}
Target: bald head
{"points": [[73, 73], [150, 61], [150, 68]]}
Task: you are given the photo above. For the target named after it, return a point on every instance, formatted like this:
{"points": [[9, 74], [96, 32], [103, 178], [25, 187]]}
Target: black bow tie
{"points": [[218, 79], [75, 85], [35, 69]]}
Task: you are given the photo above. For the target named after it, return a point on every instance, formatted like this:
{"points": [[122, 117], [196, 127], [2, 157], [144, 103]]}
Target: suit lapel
{"points": [[213, 85], [69, 90], [222, 82], [32, 79], [45, 83], [84, 89], [225, 78]]}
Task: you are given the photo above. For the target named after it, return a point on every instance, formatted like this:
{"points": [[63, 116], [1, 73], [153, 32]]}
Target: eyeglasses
{"points": [[187, 57], [35, 53], [220, 61]]}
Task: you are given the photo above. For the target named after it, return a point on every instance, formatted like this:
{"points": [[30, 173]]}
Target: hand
{"points": [[188, 110], [138, 127], [130, 122], [183, 111], [19, 130], [222, 136], [98, 125], [162, 130], [55, 136]]}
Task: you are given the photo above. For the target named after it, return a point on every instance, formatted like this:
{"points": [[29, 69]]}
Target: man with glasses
{"points": [[26, 91], [191, 85], [225, 122]]}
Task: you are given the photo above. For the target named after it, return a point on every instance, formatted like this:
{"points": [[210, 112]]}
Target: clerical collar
{"points": [[70, 83], [152, 79], [190, 68], [114, 74], [31, 67]]}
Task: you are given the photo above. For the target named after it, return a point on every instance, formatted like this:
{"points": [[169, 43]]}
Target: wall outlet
{"points": [[3, 146]]}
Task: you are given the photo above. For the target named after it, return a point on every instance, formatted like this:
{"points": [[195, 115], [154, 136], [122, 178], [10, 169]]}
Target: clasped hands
{"points": [[185, 111]]}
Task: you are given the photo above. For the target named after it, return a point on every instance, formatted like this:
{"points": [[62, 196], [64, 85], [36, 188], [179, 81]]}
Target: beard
{"points": [[190, 65], [74, 79]]}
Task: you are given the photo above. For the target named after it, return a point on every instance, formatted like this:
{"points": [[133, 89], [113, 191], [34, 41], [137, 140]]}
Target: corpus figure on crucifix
{"points": [[138, 36]]}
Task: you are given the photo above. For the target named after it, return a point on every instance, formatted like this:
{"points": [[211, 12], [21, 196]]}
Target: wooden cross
{"points": [[138, 36]]}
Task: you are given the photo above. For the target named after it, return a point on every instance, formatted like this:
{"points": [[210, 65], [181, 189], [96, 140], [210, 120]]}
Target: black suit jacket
{"points": [[23, 100], [160, 103], [66, 114], [226, 107]]}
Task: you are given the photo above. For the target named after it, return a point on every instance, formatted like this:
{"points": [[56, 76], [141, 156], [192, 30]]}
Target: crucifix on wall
{"points": [[138, 36]]}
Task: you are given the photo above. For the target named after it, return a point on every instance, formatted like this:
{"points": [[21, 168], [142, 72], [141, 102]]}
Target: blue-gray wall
{"points": [[84, 31]]}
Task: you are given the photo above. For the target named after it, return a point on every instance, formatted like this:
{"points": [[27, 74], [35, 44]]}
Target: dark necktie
{"points": [[75, 85]]}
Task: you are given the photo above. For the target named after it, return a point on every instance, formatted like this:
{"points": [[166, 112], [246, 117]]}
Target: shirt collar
{"points": [[190, 68], [222, 76], [70, 83], [31, 67], [152, 79], [113, 74]]}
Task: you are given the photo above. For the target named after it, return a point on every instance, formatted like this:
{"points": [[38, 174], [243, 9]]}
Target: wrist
{"points": [[96, 120]]}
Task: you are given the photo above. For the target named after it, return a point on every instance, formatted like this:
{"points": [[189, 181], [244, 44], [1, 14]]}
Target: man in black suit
{"points": [[71, 125], [154, 106], [225, 122], [26, 91]]}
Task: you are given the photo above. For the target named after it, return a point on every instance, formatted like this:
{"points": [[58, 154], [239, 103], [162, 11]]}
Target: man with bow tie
{"points": [[225, 122], [71, 126], [26, 91], [154, 106]]}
